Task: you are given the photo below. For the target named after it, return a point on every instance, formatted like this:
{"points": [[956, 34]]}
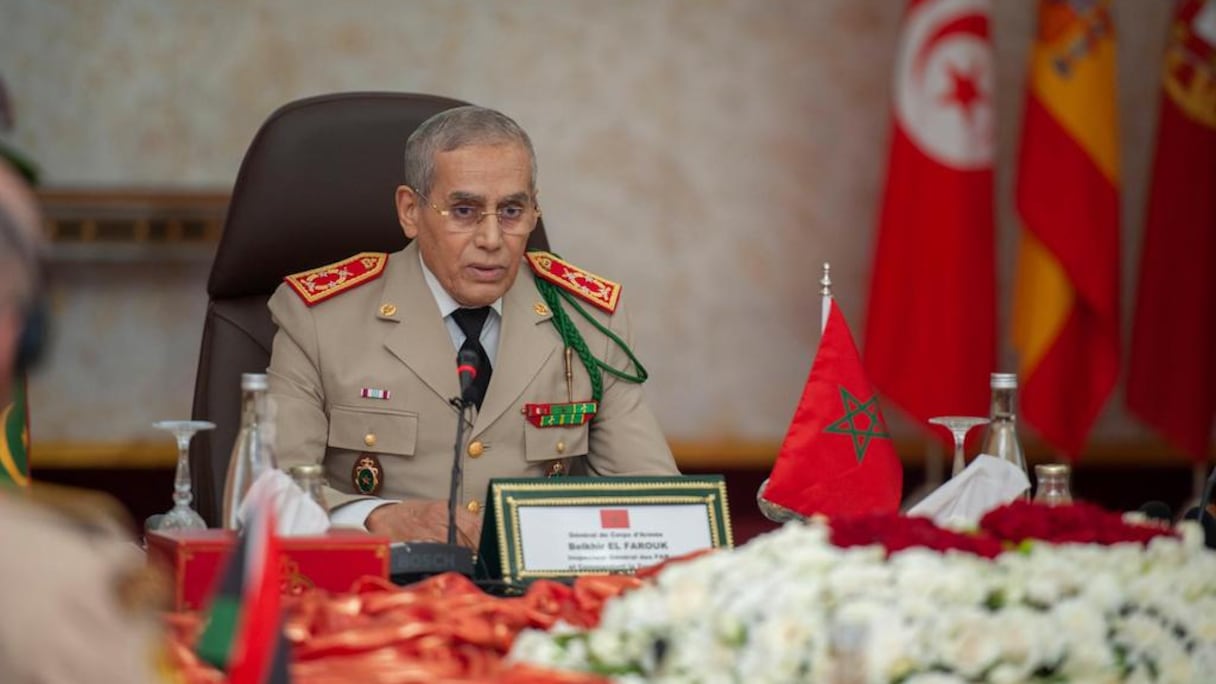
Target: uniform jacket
{"points": [[387, 334]]}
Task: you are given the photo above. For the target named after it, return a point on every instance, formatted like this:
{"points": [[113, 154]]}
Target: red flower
{"points": [[1080, 522], [896, 533]]}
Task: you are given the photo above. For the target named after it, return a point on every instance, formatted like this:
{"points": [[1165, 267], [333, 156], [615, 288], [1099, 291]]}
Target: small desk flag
{"points": [[837, 457]]}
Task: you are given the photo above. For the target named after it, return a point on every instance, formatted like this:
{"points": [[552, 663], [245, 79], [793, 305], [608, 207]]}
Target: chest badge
{"points": [[367, 476]]}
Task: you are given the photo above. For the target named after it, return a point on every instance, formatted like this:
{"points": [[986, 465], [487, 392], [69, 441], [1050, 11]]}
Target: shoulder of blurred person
{"points": [[77, 599], [80, 602]]}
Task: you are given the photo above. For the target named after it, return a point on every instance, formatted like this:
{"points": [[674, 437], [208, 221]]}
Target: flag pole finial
{"points": [[825, 289]]}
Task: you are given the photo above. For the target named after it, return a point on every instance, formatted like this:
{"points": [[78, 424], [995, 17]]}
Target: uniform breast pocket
{"points": [[380, 431], [544, 444]]}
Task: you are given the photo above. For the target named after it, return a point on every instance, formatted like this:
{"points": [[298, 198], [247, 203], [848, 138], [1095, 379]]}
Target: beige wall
{"points": [[709, 154]]}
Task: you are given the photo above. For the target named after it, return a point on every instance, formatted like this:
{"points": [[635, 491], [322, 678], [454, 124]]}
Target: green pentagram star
{"points": [[872, 426]]}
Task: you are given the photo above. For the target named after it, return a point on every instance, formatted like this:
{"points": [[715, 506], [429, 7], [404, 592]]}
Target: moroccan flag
{"points": [[837, 458], [14, 448], [1171, 377], [1066, 292], [931, 322], [243, 634]]}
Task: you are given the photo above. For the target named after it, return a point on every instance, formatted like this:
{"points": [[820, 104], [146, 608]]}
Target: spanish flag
{"points": [[1171, 373], [1066, 292]]}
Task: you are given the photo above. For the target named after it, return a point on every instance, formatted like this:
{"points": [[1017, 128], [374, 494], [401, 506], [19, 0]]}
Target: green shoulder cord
{"points": [[553, 295]]}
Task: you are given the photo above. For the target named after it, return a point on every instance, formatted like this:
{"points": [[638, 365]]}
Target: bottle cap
{"points": [[306, 470], [1051, 470], [254, 381], [1004, 381]]}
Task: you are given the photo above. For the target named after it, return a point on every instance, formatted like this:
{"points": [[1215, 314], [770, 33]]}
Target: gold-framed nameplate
{"points": [[570, 526]]}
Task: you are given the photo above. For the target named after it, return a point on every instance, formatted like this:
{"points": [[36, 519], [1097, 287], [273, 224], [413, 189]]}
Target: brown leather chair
{"points": [[315, 186]]}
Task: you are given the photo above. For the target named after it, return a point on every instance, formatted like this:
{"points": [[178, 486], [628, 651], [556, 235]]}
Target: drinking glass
{"points": [[182, 516], [958, 427]]}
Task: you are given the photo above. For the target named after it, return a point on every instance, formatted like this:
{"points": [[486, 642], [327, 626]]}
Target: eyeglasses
{"points": [[514, 217]]}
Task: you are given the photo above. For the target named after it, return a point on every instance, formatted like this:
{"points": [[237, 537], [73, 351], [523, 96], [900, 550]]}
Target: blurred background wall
{"points": [[709, 154]]}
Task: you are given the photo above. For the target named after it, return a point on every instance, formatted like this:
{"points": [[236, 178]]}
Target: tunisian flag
{"points": [[837, 457], [1171, 380], [1066, 297], [931, 324]]}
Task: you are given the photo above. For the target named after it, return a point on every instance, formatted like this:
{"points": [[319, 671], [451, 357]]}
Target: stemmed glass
{"points": [[182, 516], [958, 426]]}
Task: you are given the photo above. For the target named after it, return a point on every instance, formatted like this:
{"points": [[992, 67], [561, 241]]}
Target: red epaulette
{"points": [[322, 283], [588, 286]]}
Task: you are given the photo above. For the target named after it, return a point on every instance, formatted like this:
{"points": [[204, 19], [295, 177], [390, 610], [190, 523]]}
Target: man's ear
{"points": [[407, 210]]}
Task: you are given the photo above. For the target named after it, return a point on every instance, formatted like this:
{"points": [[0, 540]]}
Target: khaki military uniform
{"points": [[367, 375], [70, 587]]}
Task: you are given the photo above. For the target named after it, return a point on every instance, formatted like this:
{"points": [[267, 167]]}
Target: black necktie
{"points": [[471, 322]]}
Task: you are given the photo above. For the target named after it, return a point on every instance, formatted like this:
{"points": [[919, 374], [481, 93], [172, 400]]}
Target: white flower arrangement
{"points": [[791, 607]]}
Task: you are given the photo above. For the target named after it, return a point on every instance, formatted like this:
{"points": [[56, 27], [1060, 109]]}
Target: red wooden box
{"points": [[333, 561]]}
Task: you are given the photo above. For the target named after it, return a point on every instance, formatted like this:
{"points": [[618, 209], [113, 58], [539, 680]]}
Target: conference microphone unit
{"points": [[409, 561]]}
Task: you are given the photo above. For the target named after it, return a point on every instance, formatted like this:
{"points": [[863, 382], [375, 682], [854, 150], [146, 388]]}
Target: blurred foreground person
{"points": [[75, 593]]}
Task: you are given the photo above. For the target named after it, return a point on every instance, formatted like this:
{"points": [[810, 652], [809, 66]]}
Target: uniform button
{"points": [[474, 507], [476, 449], [388, 309], [561, 447], [370, 439]]}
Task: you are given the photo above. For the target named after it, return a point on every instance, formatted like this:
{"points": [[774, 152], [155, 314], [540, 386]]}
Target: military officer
{"points": [[72, 583], [364, 361]]}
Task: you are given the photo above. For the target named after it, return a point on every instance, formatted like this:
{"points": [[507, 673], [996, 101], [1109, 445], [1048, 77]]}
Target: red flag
{"points": [[1066, 295], [931, 323], [244, 629], [1171, 379], [837, 458], [614, 518]]}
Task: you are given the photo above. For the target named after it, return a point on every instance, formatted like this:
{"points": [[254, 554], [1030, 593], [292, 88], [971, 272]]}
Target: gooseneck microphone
{"points": [[466, 368], [410, 562]]}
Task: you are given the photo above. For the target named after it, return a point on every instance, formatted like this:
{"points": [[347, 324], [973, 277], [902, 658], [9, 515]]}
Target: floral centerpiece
{"points": [[1069, 594]]}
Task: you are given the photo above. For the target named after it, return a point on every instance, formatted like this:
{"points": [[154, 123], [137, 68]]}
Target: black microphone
{"points": [[410, 562], [1157, 511], [467, 362]]}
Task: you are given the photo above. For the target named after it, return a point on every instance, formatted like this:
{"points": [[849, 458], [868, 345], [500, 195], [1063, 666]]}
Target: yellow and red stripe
{"points": [[1066, 293]]}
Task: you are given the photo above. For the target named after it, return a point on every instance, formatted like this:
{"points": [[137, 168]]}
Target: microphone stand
{"points": [[464, 409], [413, 561]]}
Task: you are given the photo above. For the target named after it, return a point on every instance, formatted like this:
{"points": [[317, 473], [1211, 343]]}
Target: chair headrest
{"points": [[317, 184]]}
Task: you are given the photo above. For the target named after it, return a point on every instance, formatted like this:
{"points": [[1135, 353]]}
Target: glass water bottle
{"points": [[1001, 437], [252, 454], [311, 480], [1053, 489]]}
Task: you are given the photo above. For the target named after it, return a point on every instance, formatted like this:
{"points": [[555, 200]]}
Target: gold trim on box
{"points": [[517, 540]]}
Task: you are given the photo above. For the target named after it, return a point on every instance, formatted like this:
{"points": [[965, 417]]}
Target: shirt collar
{"points": [[446, 304]]}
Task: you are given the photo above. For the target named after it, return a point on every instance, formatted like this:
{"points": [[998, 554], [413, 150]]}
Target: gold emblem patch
{"points": [[367, 476]]}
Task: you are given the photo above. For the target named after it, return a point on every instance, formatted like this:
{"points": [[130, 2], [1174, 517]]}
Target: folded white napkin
{"points": [[988, 482], [296, 512]]}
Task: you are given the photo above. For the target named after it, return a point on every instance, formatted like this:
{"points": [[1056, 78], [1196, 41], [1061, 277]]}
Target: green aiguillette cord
{"points": [[553, 295]]}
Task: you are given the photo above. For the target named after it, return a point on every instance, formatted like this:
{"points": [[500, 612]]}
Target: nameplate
{"points": [[564, 527]]}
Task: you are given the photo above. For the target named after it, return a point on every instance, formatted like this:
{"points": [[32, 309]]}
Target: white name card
{"points": [[568, 526], [619, 537]]}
